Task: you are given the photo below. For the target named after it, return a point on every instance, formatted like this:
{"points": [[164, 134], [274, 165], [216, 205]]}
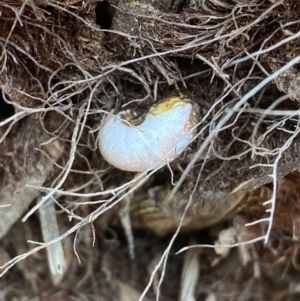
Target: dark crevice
{"points": [[6, 110], [104, 14]]}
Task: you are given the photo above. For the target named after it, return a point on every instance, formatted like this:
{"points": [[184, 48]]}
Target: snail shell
{"points": [[163, 135]]}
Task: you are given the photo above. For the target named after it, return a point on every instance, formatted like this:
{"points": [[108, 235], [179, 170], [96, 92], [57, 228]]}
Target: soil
{"points": [[218, 223]]}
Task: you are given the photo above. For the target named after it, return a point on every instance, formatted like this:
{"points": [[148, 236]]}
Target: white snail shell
{"points": [[163, 135]]}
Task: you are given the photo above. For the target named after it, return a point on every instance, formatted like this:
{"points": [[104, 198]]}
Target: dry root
{"points": [[64, 65]]}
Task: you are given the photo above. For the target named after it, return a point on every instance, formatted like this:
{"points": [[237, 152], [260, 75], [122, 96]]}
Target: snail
{"points": [[165, 132]]}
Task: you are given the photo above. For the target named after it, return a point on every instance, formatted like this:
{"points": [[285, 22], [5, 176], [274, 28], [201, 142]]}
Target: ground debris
{"points": [[67, 65]]}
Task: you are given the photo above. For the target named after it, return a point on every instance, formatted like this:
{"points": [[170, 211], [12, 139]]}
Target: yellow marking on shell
{"points": [[167, 104]]}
